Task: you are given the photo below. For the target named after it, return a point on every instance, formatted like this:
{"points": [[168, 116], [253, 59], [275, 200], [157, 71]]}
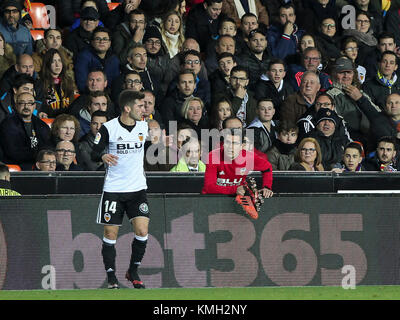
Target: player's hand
{"points": [[110, 159], [241, 190], [266, 193]]}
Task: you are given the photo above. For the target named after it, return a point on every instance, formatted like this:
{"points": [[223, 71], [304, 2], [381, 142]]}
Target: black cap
{"points": [[11, 3], [152, 32], [253, 32], [327, 114], [90, 13]]}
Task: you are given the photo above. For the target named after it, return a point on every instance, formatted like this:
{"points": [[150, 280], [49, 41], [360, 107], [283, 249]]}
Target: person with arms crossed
{"points": [[125, 184]]}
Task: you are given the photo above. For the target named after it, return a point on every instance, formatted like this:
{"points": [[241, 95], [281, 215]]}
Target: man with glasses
{"points": [[129, 33], [46, 160], [79, 39], [98, 55], [65, 154], [23, 134], [310, 61], [13, 31]]}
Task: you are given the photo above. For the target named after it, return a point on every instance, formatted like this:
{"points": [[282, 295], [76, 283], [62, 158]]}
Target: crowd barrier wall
{"points": [[53, 242]]}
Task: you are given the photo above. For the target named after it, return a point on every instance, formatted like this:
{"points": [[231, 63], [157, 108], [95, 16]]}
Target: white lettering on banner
{"points": [[349, 19], [49, 280], [349, 280]]}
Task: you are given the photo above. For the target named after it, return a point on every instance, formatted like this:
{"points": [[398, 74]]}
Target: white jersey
{"points": [[128, 175]]}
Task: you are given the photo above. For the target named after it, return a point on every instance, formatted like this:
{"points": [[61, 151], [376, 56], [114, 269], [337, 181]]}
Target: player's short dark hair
{"points": [[129, 97]]}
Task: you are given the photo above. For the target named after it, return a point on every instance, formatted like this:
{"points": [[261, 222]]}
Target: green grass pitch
{"points": [[248, 293]]}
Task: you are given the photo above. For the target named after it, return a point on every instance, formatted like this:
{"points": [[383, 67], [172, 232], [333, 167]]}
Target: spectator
{"points": [[281, 154], [190, 159], [98, 100], [377, 18], [15, 33], [348, 99], [329, 138], [172, 33], [364, 33], [352, 159], [219, 112], [310, 61], [219, 79], [53, 40], [46, 160], [65, 128], [243, 102], [24, 65], [385, 158], [273, 85], [386, 42], [99, 55], [6, 189], [227, 27], [294, 106], [315, 12], [256, 58], [349, 48], [283, 37], [150, 113], [80, 38], [22, 83], [7, 55], [328, 39], [236, 10], [203, 22], [86, 143], [128, 34], [59, 86], [100, 5], [192, 114], [263, 125], [307, 40], [65, 153], [308, 156], [23, 134], [385, 81]]}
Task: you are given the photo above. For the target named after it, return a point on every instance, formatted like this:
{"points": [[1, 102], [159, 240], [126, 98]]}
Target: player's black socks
{"points": [[138, 249], [108, 252]]}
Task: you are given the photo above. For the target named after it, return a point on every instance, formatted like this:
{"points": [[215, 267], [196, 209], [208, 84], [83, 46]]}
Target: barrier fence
{"points": [[53, 242]]}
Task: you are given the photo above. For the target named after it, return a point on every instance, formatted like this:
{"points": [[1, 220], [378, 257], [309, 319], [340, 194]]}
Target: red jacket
{"points": [[224, 177]]}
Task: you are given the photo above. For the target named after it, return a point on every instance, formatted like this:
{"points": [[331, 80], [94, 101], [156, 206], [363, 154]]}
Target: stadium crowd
{"points": [[315, 80]]}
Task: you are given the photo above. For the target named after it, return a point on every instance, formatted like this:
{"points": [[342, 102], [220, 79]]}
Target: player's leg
{"points": [[140, 223], [110, 214]]}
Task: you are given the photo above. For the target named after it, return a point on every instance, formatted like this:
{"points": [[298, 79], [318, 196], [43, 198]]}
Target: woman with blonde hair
{"points": [[192, 113], [65, 128], [172, 33], [308, 156]]}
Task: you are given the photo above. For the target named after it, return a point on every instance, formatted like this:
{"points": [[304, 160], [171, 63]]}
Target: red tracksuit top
{"points": [[224, 177]]}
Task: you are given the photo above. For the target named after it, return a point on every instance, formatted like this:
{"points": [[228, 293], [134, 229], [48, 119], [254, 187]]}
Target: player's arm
{"points": [[100, 147], [265, 167]]}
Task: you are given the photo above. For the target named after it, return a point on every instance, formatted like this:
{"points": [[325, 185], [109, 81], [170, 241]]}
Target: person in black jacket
{"points": [[203, 22], [120, 13], [385, 157], [23, 134]]}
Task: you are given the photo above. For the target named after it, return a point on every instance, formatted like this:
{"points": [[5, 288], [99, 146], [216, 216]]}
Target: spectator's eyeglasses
{"points": [[24, 104], [11, 11], [363, 21], [238, 79], [305, 150], [192, 62], [329, 25], [154, 43], [351, 49], [97, 39], [65, 151], [48, 162], [312, 59], [133, 82]]}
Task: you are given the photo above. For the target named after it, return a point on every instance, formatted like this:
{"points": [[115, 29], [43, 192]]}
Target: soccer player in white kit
{"points": [[120, 145]]}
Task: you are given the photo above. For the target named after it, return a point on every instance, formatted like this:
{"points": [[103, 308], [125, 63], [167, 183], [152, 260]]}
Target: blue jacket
{"points": [[88, 60], [20, 39], [281, 45]]}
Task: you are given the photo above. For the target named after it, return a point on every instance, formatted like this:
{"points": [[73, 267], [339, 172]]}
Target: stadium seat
{"points": [[112, 5], [13, 167], [49, 121], [37, 34], [38, 13]]}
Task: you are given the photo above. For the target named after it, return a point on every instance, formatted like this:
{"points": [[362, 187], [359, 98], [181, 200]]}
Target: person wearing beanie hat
{"points": [[15, 33], [129, 33], [331, 140]]}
